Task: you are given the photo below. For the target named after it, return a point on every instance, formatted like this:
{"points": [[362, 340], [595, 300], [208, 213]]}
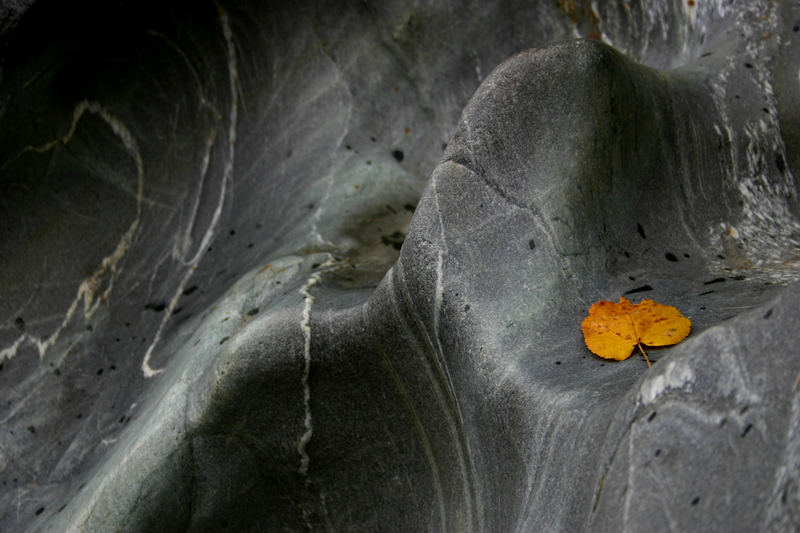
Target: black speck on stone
{"points": [[410, 208], [100, 372], [232, 232], [779, 162], [156, 306], [643, 288], [748, 65], [747, 429], [705, 293], [466, 307], [651, 417], [19, 323], [190, 290], [640, 229], [398, 154], [695, 500], [373, 139], [395, 240], [657, 452], [768, 314], [222, 341], [796, 28], [670, 256], [558, 362], [531, 244], [39, 511], [253, 311], [715, 280], [32, 429], [315, 265]]}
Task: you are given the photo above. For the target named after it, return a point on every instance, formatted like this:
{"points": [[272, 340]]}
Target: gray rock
{"points": [[243, 289]]}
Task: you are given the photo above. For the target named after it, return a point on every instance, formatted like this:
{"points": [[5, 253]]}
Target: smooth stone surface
{"points": [[257, 274]]}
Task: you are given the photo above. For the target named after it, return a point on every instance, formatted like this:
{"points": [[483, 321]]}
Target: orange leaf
{"points": [[613, 330]]}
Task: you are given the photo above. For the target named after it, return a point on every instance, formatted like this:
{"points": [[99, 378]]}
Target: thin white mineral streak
{"points": [[208, 236], [89, 290], [305, 326]]}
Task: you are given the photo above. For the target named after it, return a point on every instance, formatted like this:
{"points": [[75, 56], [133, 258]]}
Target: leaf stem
{"points": [[644, 354]]}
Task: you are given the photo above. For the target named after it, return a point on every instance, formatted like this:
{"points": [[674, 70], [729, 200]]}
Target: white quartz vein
{"points": [[227, 178], [305, 326], [91, 291]]}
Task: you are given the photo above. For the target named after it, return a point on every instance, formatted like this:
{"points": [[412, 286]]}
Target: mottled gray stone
{"points": [[208, 322]]}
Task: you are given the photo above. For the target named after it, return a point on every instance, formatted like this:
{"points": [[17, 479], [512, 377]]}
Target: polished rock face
{"points": [[302, 266]]}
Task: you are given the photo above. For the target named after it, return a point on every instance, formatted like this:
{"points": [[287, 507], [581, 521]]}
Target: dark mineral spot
{"points": [[32, 429], [748, 65], [651, 417], [705, 293], [747, 429], [657, 452], [348, 147], [715, 280], [395, 240], [780, 163], [643, 288], [19, 323], [398, 154], [39, 511], [706, 54], [155, 306], [531, 244], [558, 362], [695, 501], [466, 307], [410, 208], [768, 314], [253, 311], [222, 341], [670, 256], [100, 372], [190, 290], [640, 229]]}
